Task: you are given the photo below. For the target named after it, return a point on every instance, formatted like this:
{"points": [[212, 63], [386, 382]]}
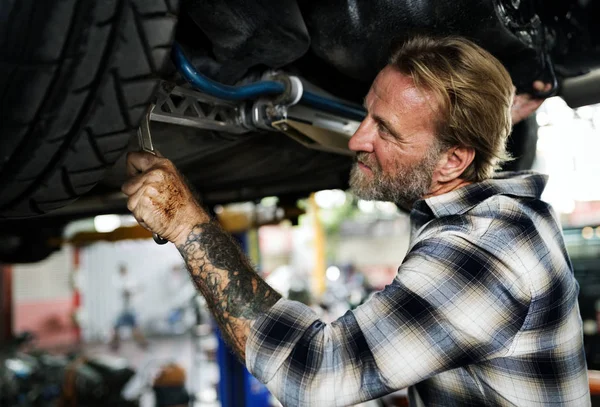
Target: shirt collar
{"points": [[525, 184]]}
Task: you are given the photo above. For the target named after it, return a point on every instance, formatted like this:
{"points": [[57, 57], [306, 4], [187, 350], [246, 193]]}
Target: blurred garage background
{"points": [[330, 251]]}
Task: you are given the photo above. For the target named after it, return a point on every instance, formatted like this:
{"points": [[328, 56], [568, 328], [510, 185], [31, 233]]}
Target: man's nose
{"points": [[362, 140]]}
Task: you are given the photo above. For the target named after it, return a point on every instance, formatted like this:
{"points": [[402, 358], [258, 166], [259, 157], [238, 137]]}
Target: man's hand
{"points": [[524, 104], [161, 202], [159, 197]]}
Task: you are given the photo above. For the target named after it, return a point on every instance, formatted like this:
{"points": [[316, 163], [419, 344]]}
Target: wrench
{"points": [[145, 140]]}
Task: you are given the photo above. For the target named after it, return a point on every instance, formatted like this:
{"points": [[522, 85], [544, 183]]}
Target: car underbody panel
{"points": [[346, 42], [334, 48], [339, 46]]}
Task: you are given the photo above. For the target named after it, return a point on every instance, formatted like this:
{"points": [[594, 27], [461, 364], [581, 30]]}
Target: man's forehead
{"points": [[395, 90]]}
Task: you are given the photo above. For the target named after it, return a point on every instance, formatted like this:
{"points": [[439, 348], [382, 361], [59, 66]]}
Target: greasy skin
{"points": [[236, 295], [162, 202]]}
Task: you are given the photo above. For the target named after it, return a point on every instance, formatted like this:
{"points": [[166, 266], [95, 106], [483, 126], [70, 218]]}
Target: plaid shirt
{"points": [[483, 311]]}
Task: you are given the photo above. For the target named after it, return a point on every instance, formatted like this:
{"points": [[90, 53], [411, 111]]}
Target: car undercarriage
{"points": [[249, 99]]}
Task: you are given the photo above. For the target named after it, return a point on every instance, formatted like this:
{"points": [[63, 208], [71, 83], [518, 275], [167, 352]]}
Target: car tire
{"points": [[76, 77]]}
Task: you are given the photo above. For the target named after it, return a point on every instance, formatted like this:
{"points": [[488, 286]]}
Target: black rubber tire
{"points": [[76, 77]]}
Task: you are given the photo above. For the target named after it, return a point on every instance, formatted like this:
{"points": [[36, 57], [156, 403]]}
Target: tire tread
{"points": [[75, 130]]}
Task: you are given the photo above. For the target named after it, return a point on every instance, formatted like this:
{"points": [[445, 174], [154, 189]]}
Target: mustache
{"points": [[364, 158]]}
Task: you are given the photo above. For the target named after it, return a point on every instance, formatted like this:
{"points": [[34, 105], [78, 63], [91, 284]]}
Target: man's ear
{"points": [[453, 163]]}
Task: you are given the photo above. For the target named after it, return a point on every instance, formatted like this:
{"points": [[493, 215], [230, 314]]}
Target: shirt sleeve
{"points": [[451, 304]]}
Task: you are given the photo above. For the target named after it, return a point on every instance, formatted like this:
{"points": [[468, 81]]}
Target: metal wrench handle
{"points": [[145, 140]]}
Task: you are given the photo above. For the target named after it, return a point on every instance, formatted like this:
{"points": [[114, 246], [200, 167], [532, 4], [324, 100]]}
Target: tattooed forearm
{"points": [[236, 295]]}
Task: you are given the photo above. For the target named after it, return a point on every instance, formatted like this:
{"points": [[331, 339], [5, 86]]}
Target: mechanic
{"points": [[483, 310]]}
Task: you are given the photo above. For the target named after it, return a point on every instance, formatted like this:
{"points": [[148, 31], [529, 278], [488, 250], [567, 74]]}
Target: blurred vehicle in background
{"points": [[38, 378], [28, 379]]}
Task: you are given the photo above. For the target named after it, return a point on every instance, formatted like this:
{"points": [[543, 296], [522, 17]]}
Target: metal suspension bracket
{"points": [[313, 127], [276, 102], [188, 107]]}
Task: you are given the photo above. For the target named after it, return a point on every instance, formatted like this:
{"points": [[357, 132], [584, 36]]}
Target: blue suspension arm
{"points": [[258, 89], [226, 92]]}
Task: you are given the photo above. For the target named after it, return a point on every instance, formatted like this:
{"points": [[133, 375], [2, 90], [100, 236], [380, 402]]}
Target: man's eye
{"points": [[385, 132], [382, 128]]}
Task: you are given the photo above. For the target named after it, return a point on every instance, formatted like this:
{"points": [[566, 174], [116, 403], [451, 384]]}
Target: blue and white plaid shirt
{"points": [[483, 311]]}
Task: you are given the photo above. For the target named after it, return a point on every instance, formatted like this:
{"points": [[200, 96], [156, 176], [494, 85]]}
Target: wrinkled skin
{"points": [[395, 144], [396, 150], [159, 197]]}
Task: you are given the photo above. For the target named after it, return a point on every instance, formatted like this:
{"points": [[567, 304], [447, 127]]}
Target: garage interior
{"points": [[254, 102], [329, 250]]}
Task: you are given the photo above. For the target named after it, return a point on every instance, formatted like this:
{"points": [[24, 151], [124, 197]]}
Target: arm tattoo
{"points": [[235, 293]]}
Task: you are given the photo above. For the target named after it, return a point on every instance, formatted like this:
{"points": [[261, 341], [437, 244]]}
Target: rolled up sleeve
{"points": [[449, 306]]}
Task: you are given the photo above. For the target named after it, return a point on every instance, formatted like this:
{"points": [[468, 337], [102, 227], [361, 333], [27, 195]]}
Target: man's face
{"points": [[396, 148]]}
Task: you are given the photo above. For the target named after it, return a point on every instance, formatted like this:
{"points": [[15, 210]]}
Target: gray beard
{"points": [[404, 187]]}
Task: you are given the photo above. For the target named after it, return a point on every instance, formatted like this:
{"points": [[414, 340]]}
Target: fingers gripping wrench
{"points": [[145, 140]]}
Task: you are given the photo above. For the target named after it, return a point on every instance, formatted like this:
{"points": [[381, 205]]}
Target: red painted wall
{"points": [[49, 320]]}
